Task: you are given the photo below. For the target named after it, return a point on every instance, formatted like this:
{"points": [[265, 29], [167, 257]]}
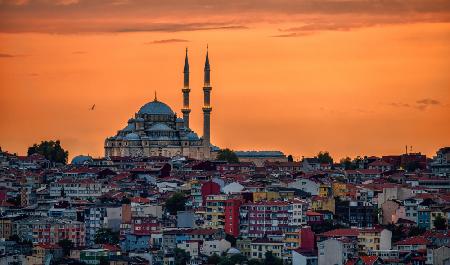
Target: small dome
{"points": [[233, 251], [129, 128], [180, 120], [81, 160], [192, 136], [160, 127], [156, 108], [139, 119], [132, 136]]}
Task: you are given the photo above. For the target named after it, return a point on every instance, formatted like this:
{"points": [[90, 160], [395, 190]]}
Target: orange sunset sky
{"points": [[353, 77]]}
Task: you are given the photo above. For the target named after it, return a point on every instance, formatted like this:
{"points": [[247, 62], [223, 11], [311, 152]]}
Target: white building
{"points": [[306, 185], [303, 258], [218, 247], [80, 189]]}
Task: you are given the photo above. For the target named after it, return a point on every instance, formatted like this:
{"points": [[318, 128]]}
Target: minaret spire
{"points": [[186, 110], [207, 69], [186, 70], [207, 107]]}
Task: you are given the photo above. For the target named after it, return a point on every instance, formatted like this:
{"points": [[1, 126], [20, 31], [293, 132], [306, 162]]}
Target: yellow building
{"points": [[265, 196], [324, 190], [5, 227], [215, 211], [323, 203], [244, 246], [291, 241], [260, 246], [41, 251], [434, 214], [287, 195], [374, 239], [339, 189]]}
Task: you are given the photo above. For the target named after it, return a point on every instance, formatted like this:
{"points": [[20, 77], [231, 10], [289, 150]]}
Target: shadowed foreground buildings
{"points": [[151, 210]]}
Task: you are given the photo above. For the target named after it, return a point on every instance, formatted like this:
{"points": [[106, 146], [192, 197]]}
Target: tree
{"points": [[324, 158], [181, 257], [17, 201], [440, 223], [290, 158], [224, 260], [176, 203], [15, 238], [231, 239], [63, 193], [106, 236], [214, 259], [270, 259], [326, 226], [125, 200], [398, 232], [51, 150], [416, 231], [254, 262], [238, 259], [227, 155], [104, 261], [412, 166], [66, 245], [347, 163]]}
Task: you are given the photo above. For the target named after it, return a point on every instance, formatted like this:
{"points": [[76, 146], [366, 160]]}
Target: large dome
{"points": [[156, 108]]}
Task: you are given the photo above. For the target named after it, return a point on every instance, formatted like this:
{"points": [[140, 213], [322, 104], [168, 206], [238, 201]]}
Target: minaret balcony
{"points": [[185, 110], [207, 87], [186, 90], [207, 109]]}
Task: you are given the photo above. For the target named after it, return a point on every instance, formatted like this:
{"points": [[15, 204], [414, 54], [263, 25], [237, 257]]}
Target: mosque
{"points": [[156, 130]]}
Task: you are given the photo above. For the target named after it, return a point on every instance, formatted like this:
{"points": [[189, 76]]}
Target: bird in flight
{"points": [[93, 107]]}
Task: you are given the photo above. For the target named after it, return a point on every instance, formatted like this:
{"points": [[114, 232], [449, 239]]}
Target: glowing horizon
{"points": [[349, 78]]}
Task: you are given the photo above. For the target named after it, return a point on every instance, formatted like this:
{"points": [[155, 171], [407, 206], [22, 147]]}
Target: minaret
{"points": [[186, 110], [206, 105]]}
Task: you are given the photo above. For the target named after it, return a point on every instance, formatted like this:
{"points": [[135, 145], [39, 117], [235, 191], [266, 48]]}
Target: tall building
{"points": [[156, 130]]}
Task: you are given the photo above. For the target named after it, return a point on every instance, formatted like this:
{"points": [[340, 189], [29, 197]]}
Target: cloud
{"points": [[421, 104], [346, 23], [74, 16], [428, 101], [65, 2], [5, 55], [175, 27], [293, 34], [166, 41]]}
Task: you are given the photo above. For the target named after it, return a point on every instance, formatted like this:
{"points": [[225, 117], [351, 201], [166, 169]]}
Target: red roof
{"points": [[379, 163], [415, 240], [111, 247], [121, 176], [140, 200], [341, 232], [369, 260], [311, 213], [48, 246]]}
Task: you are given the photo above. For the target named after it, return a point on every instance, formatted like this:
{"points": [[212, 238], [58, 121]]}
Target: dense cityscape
{"points": [[238, 132], [240, 208]]}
